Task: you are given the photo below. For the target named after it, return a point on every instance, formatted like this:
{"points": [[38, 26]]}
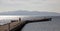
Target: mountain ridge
{"points": [[30, 13]]}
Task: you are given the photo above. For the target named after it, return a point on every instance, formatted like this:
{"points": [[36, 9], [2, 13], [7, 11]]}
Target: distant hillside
{"points": [[30, 13]]}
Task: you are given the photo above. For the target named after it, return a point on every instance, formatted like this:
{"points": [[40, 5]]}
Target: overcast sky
{"points": [[31, 5]]}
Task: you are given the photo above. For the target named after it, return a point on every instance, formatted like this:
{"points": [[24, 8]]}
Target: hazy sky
{"points": [[31, 5]]}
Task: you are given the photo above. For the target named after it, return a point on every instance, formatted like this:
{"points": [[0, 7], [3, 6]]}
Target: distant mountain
{"points": [[30, 13]]}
